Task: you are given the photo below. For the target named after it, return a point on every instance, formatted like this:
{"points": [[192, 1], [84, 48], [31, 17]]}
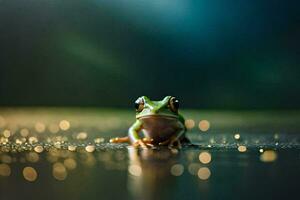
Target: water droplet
{"points": [[90, 148], [39, 149], [242, 148], [237, 136]]}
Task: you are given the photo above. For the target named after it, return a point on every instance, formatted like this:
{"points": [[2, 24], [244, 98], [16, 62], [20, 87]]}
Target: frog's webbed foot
{"points": [[144, 143], [174, 142], [164, 142], [119, 140], [148, 140]]}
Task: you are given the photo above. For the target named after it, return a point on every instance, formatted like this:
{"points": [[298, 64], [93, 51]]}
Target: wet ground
{"points": [[64, 154]]}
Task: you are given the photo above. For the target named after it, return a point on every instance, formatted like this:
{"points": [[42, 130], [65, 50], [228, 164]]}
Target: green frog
{"points": [[157, 123]]}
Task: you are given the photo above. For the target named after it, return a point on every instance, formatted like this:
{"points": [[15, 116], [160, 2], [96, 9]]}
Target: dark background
{"points": [[229, 54]]}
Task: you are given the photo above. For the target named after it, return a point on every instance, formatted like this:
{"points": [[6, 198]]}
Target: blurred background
{"points": [[219, 54]]}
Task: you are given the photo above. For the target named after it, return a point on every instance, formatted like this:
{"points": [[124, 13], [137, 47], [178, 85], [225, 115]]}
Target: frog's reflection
{"points": [[149, 172]]}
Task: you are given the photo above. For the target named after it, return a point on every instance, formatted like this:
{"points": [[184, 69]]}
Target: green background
{"points": [[210, 54]]}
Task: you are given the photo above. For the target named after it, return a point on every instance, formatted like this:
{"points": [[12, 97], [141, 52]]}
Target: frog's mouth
{"points": [[157, 116]]}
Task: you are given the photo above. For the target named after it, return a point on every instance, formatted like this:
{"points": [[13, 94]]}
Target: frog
{"points": [[158, 123]]}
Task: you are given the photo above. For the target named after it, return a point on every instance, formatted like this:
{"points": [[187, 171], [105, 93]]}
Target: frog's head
{"points": [[168, 107]]}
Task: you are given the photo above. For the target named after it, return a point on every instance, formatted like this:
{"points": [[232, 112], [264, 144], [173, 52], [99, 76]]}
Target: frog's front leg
{"points": [[133, 134], [176, 139]]}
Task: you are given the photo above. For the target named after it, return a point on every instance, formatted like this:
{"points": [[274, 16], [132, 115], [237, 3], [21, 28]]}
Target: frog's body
{"points": [[159, 121]]}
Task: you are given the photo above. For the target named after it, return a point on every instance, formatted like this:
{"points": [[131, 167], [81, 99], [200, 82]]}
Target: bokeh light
{"points": [[40, 127], [64, 125], [242, 148], [135, 170], [189, 123], [237, 136], [30, 174], [205, 157], [268, 156], [204, 125], [177, 170], [5, 170], [204, 173], [59, 171]]}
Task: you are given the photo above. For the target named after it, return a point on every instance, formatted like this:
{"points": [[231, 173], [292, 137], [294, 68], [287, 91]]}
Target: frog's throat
{"points": [[157, 116]]}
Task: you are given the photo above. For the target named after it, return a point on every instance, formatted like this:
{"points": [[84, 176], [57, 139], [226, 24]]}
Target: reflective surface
{"points": [[64, 154]]}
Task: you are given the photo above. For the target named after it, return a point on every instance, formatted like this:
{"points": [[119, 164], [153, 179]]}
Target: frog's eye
{"points": [[174, 104], [139, 105]]}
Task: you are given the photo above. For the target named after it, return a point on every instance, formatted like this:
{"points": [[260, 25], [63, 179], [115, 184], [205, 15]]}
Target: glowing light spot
{"points": [[276, 136], [57, 145], [40, 127], [53, 128], [98, 140], [32, 157], [5, 170], [204, 125], [189, 123], [24, 132], [64, 125], [174, 151], [90, 160], [177, 170], [135, 170], [204, 173], [81, 136], [3, 140], [72, 148], [6, 133], [242, 148], [39, 149], [64, 153], [261, 150], [6, 159], [205, 157], [30, 174], [18, 141], [237, 136], [32, 140], [70, 163], [52, 158], [59, 171], [193, 168], [90, 148], [268, 156]]}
